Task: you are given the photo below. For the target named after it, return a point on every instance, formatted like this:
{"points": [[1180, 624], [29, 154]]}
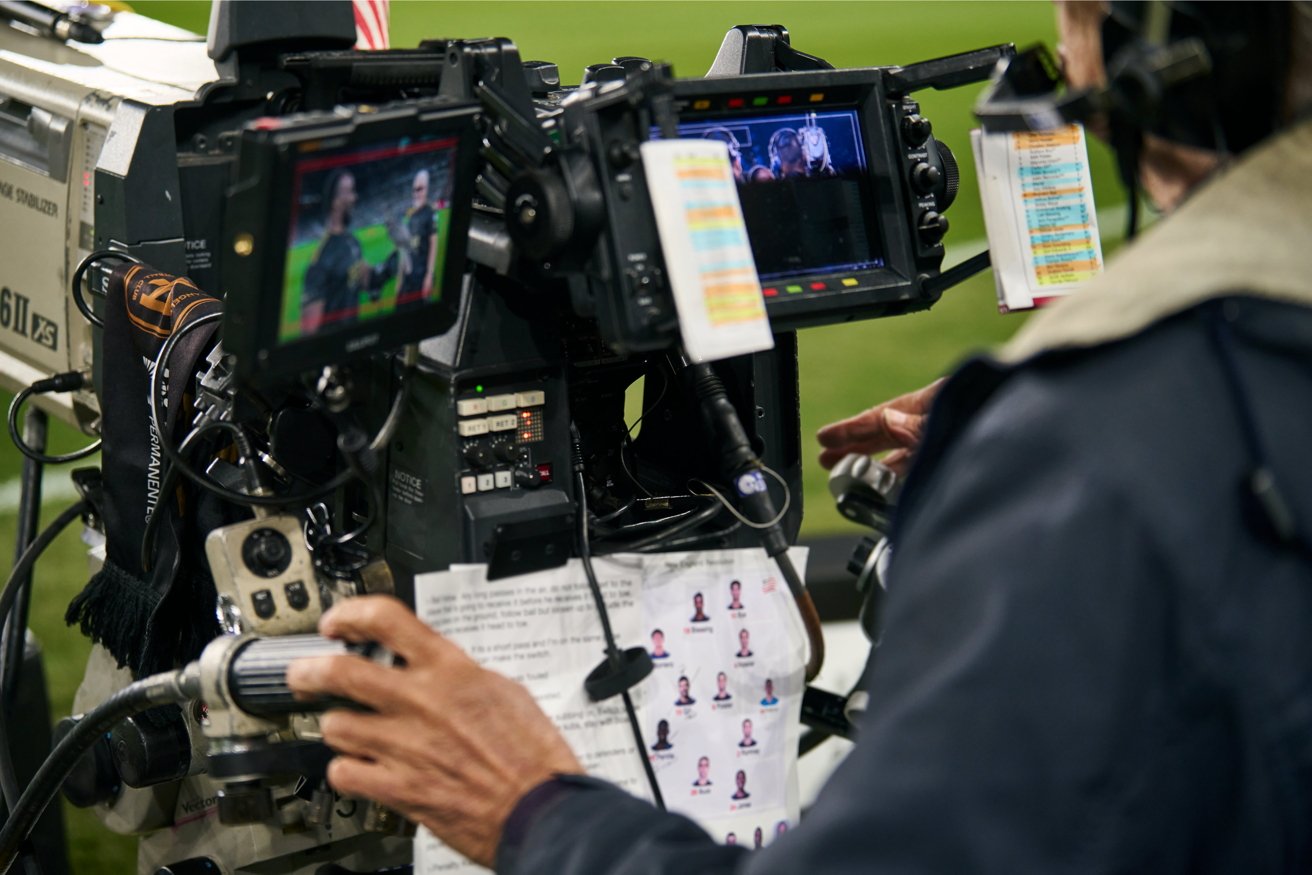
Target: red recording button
{"points": [[817, 287], [544, 468], [770, 293]]}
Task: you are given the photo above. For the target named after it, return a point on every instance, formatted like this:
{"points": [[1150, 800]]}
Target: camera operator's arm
{"points": [[894, 425], [449, 744]]}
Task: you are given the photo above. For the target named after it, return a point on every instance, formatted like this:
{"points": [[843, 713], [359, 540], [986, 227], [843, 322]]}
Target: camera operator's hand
{"points": [[895, 425], [450, 745]]}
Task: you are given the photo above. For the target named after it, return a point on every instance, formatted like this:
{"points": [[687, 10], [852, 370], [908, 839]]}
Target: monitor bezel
{"points": [[259, 229]]}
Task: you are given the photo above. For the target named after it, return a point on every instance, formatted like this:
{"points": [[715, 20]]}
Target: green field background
{"points": [[844, 368]]}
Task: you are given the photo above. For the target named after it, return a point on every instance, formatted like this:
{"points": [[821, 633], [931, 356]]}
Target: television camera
{"points": [[341, 318]]}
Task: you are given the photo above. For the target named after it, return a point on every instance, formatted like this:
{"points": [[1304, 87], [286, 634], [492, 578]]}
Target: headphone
{"points": [[777, 142], [1206, 74]]}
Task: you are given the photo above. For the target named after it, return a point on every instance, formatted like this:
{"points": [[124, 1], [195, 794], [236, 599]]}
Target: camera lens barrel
{"points": [[257, 674]]}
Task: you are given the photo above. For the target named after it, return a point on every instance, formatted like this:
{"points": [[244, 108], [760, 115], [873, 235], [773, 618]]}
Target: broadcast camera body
{"points": [[499, 431]]}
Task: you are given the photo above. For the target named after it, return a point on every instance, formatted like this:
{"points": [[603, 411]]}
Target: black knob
{"points": [[925, 177], [150, 751], [916, 129], [478, 456], [932, 226], [266, 552], [528, 478], [245, 802], [622, 154], [511, 454]]}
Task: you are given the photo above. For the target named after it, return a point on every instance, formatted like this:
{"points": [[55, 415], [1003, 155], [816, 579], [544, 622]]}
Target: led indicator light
{"points": [[701, 104], [735, 103], [849, 281], [817, 287], [817, 97], [792, 290], [760, 101], [479, 389], [770, 293], [784, 99]]}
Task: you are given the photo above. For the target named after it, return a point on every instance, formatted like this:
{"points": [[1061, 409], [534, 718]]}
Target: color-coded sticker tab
{"points": [[1039, 212], [708, 257]]}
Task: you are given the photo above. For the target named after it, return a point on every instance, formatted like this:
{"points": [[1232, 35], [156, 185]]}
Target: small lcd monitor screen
{"points": [[804, 187], [369, 234]]}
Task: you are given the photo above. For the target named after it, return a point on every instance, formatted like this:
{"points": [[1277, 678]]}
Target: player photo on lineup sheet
{"points": [[369, 229]]}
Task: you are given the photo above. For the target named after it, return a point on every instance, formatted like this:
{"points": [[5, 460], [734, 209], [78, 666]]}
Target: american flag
{"points": [[770, 585], [371, 24]]}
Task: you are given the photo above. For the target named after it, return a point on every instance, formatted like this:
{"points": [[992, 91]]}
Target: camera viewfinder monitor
{"points": [[804, 190], [353, 232], [822, 173]]}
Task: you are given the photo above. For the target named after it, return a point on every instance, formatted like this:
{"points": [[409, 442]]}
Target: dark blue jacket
{"points": [[1098, 633]]}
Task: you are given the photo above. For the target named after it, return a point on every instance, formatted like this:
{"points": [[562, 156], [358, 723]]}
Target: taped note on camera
{"points": [[720, 712], [708, 256], [1038, 208]]}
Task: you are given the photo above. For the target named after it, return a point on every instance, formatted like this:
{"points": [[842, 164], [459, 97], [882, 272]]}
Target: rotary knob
{"points": [[478, 456], [528, 478], [916, 129], [932, 226], [511, 454], [925, 177], [266, 552]]}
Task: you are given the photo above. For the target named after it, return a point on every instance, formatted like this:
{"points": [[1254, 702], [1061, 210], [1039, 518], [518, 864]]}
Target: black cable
{"points": [[167, 484], [35, 433], [21, 570], [612, 650], [176, 460], [705, 515], [613, 515], [159, 689], [66, 382], [609, 532], [76, 288], [693, 540]]}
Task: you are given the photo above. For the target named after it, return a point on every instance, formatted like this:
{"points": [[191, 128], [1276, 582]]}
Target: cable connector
{"points": [[69, 381]]}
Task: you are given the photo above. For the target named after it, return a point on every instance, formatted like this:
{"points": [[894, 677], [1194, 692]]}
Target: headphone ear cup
{"points": [[1134, 86]]}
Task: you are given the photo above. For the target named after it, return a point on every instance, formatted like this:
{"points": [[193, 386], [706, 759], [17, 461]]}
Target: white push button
{"points": [[468, 484], [471, 406], [471, 427], [504, 479], [486, 482], [531, 399], [497, 403], [505, 422]]}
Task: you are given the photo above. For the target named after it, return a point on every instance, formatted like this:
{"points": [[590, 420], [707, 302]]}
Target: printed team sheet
{"points": [[719, 713], [1037, 195]]}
